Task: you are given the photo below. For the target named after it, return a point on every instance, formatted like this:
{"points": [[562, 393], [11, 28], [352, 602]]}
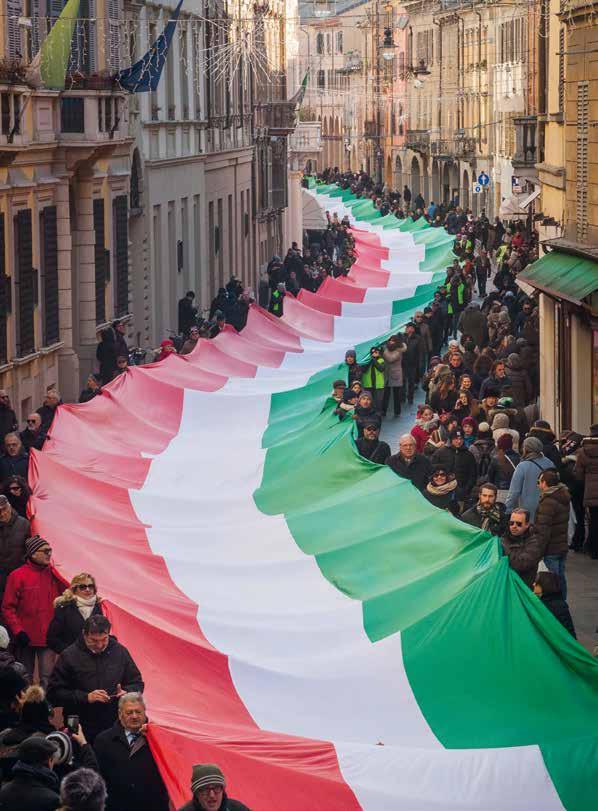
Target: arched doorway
{"points": [[425, 180], [465, 203], [415, 178], [398, 178], [445, 170], [136, 182]]}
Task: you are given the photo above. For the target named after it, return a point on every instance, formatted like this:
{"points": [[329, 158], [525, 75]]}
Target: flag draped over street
{"points": [[145, 74], [301, 616]]}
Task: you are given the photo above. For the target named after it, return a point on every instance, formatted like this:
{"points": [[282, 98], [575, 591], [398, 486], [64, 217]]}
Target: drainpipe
{"points": [[479, 16]]}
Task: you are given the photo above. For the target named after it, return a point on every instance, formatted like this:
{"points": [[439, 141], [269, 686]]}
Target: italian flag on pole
{"points": [[302, 617]]}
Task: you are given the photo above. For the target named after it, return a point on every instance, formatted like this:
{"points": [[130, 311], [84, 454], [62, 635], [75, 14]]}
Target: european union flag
{"points": [[145, 75]]}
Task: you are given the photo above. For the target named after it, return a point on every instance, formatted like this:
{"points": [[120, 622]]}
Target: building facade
{"points": [[566, 277], [64, 196]]}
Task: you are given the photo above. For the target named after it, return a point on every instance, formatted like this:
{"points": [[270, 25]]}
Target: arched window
{"points": [[320, 43]]}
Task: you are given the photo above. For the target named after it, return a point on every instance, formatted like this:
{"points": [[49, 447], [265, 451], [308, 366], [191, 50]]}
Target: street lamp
{"points": [[388, 46]]}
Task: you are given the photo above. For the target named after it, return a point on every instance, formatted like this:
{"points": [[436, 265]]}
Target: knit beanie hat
{"points": [[350, 353], [505, 442], [206, 774], [33, 544], [484, 431]]}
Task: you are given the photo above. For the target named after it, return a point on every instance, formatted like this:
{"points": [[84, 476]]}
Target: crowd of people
{"points": [[477, 449]]}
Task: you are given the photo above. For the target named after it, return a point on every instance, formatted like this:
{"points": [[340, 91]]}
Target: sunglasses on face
{"points": [[84, 587], [516, 523], [15, 488], [31, 422]]}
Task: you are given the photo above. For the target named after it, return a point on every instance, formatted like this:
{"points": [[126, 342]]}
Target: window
{"points": [[320, 43], [328, 43], [72, 114], [562, 70], [339, 42], [321, 80], [424, 47], [25, 283], [121, 246], [100, 259], [49, 275]]}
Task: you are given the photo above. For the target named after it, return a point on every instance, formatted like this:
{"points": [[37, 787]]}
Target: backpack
{"points": [[483, 467]]}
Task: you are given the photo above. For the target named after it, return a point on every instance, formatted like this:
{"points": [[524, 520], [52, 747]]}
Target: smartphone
{"points": [[72, 723]]}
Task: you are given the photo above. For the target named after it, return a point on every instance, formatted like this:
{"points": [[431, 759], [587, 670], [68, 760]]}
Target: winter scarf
{"points": [[493, 514], [443, 489], [86, 605]]}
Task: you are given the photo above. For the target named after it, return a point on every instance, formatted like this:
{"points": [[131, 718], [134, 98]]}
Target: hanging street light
{"points": [[388, 46]]}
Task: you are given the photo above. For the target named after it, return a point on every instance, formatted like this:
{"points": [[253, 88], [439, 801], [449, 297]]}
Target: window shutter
{"points": [[561, 70], [100, 259], [582, 159], [50, 271], [121, 232], [14, 9], [4, 296], [25, 284]]}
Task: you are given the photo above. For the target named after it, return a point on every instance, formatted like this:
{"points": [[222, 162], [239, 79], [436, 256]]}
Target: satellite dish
{"points": [[402, 21]]}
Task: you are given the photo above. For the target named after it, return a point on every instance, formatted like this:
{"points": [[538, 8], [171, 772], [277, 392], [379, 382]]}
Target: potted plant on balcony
{"points": [[13, 71], [101, 80]]}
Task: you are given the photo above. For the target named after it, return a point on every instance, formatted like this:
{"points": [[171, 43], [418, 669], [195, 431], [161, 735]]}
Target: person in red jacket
{"points": [[425, 424], [28, 607]]}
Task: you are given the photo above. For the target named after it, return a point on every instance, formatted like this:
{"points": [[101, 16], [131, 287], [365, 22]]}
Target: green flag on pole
{"points": [[56, 48]]}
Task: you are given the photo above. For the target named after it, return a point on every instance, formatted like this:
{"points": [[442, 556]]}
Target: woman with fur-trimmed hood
{"points": [[71, 609]]}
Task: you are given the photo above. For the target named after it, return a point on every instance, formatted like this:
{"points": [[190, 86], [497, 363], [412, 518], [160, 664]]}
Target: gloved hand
{"points": [[22, 639]]}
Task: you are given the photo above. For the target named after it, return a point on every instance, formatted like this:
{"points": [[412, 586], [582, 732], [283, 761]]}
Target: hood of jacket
{"points": [[514, 362], [500, 420], [545, 435], [560, 492]]}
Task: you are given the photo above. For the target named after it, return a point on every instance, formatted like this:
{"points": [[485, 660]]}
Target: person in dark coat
{"points": [[120, 342], [487, 514], [542, 431], [15, 461], [48, 409], [370, 446], [440, 490], [458, 460], [14, 531], [521, 389], [548, 588], [552, 523], [413, 359], [33, 436], [187, 312], [354, 370], [93, 388], [91, 674], [586, 472], [409, 464], [106, 354], [17, 491], [209, 791], [34, 786], [71, 609], [126, 761], [522, 546], [8, 418]]}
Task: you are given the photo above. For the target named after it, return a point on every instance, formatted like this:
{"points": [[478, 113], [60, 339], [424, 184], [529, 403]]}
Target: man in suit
{"points": [[126, 761]]}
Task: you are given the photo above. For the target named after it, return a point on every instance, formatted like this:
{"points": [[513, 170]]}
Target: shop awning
{"points": [[530, 198], [562, 276]]}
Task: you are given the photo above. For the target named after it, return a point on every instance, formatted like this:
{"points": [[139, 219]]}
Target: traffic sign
{"points": [[483, 179], [477, 189]]}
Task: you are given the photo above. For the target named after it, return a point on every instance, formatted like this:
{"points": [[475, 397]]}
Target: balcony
{"points": [[306, 138], [526, 144], [353, 63], [465, 148], [276, 117], [418, 140], [92, 116]]}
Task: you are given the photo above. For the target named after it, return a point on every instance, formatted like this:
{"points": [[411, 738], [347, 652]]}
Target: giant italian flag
{"points": [[301, 616]]}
